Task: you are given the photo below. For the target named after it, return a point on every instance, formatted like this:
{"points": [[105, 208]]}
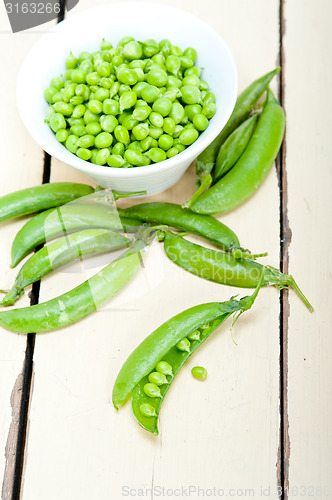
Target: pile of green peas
{"points": [[132, 105]]}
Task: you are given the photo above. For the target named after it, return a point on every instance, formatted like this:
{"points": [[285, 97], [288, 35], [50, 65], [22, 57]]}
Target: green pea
{"points": [[173, 64], [165, 142], [79, 111], [138, 87], [148, 143], [86, 66], [172, 152], [121, 134], [115, 161], [156, 119], [204, 85], [150, 47], [171, 95], [64, 108], [58, 96], [188, 136], [108, 123], [122, 116], [78, 76], [147, 410], [78, 129], [67, 74], [208, 98], [102, 156], [94, 153], [124, 40], [76, 99], [117, 61], [75, 121], [150, 93], [175, 82], [156, 155], [128, 99], [129, 122], [84, 154], [152, 390], [105, 45], [176, 51], [191, 52], [141, 131], [169, 125], [71, 61], [95, 106], [71, 143], [110, 107], [84, 55], [136, 145], [49, 93], [209, 110], [155, 132], [101, 94], [184, 345], [106, 83], [178, 146], [83, 90], [49, 113], [157, 77], [134, 157], [164, 367], [103, 140], [190, 94], [127, 76], [86, 141], [57, 82], [192, 109], [93, 128], [199, 372], [118, 149], [133, 50], [163, 106], [142, 112], [61, 135], [104, 69], [195, 335], [186, 62], [200, 122], [114, 89], [192, 71], [191, 80], [93, 78], [184, 120], [157, 378], [137, 63], [57, 122], [177, 131], [177, 112]]}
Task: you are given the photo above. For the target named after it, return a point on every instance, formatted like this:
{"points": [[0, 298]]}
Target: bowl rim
{"points": [[61, 153]]}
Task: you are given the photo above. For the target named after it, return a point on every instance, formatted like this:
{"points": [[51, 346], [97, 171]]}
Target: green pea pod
{"points": [[251, 169], [233, 147], [175, 216], [37, 198], [59, 253], [69, 218], [223, 268], [81, 300], [163, 348]]}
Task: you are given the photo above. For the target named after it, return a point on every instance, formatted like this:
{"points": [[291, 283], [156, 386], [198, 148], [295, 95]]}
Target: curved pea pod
{"points": [[223, 268], [59, 253], [251, 169], [231, 150], [37, 198], [162, 352], [69, 218], [80, 301], [175, 216]]}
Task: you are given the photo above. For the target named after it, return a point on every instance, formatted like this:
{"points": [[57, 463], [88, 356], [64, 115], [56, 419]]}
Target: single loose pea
{"points": [[179, 147], [133, 50], [128, 99], [78, 129], [86, 141], [150, 93], [137, 63], [134, 157], [136, 145], [176, 51], [57, 82], [78, 76], [76, 99], [186, 62], [93, 78], [164, 367], [106, 83], [57, 122], [64, 108], [101, 94], [61, 135], [71, 61], [104, 69], [79, 111], [86, 66], [114, 89], [191, 80], [108, 123], [209, 97], [49, 113], [93, 154], [124, 40], [129, 122], [49, 93], [174, 81], [102, 156], [71, 143], [138, 87], [204, 85], [115, 161], [183, 345], [118, 149], [95, 106], [173, 64], [147, 410], [156, 155], [84, 55], [122, 116], [156, 119], [165, 142], [157, 77], [157, 378], [190, 52], [150, 47], [103, 140], [84, 154], [105, 45], [192, 71], [83, 90], [141, 131], [169, 125], [121, 134], [140, 74], [192, 109], [177, 131], [199, 372], [155, 132], [172, 152], [201, 122], [93, 128], [152, 390], [117, 61], [67, 74], [148, 143], [162, 105], [141, 113], [110, 107], [177, 112], [188, 136], [195, 335], [209, 110], [127, 76], [58, 96], [190, 94]]}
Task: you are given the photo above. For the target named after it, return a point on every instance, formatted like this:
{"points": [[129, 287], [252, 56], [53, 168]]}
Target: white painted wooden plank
{"points": [[308, 78], [222, 433], [21, 166]]}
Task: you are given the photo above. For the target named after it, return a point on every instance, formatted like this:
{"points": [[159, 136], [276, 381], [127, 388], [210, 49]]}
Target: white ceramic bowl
{"points": [[141, 20]]}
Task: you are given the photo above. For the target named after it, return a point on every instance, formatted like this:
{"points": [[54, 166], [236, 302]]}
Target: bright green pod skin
{"points": [[175, 216], [248, 173], [231, 150], [69, 218], [244, 104], [37, 198], [160, 345], [59, 253], [223, 268], [78, 302]]}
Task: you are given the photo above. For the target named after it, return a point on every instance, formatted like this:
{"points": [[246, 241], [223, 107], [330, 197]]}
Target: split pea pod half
{"points": [[251, 169], [223, 268], [59, 253], [71, 217], [243, 106], [81, 300], [150, 369]]}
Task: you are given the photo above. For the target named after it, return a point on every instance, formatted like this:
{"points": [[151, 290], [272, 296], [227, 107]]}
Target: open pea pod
{"points": [[150, 369]]}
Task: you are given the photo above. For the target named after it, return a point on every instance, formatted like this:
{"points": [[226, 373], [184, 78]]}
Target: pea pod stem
{"points": [[206, 181]]}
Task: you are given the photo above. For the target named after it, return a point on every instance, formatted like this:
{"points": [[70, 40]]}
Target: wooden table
{"points": [[261, 423]]}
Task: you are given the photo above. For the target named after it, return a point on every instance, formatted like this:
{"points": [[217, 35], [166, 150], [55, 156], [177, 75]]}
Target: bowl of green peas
{"points": [[128, 93]]}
